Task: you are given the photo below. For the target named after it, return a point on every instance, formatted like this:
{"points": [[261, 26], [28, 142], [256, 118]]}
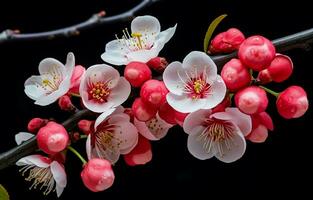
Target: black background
{"points": [[281, 166]]}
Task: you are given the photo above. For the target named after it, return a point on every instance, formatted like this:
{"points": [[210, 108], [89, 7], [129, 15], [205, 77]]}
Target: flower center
{"points": [[198, 88], [40, 176], [135, 41], [99, 92]]}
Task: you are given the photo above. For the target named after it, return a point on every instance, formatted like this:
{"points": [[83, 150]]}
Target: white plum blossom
{"points": [[44, 173], [153, 129], [220, 134], [143, 43], [193, 84], [53, 82], [113, 135], [102, 88]]}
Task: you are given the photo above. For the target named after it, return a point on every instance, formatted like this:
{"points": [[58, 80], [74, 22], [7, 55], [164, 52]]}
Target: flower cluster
{"points": [[218, 112]]}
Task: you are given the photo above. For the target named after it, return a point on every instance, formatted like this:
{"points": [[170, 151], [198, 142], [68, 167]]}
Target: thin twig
{"points": [[95, 20], [11, 156]]}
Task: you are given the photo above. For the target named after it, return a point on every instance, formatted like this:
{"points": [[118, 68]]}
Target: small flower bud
{"points": [[158, 64], [86, 126], [35, 124], [141, 154], [142, 111], [153, 92], [66, 104], [137, 73]]}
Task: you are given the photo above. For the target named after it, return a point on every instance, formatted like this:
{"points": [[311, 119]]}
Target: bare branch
{"points": [[94, 21]]}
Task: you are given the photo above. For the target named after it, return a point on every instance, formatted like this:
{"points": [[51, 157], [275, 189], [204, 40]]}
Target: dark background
{"points": [[281, 166]]}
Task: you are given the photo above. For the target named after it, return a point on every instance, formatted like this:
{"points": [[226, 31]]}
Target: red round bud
{"points": [[65, 103], [279, 70], [137, 73], [292, 102], [256, 52], [235, 75], [261, 123], [52, 138], [97, 175], [35, 124], [86, 126], [153, 92], [251, 100], [143, 112], [158, 64], [141, 154]]}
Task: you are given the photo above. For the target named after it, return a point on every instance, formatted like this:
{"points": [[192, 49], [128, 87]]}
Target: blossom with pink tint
{"points": [[97, 175], [153, 129], [251, 100], [45, 173], [153, 93], [227, 42], [193, 84], [141, 154], [158, 64], [218, 134], [53, 82], [143, 43], [292, 102], [102, 88], [142, 111], [235, 75], [261, 123], [77, 75], [279, 70], [52, 138], [113, 135], [137, 73], [35, 124], [257, 52]]}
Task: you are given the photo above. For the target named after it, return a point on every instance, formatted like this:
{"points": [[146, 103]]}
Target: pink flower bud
{"points": [[292, 102], [52, 138], [279, 70], [141, 154], [35, 124], [235, 75], [158, 64], [261, 123], [86, 126], [137, 73], [142, 111], [224, 104], [65, 103], [97, 175], [256, 52], [153, 92], [226, 42], [78, 72], [251, 100]]}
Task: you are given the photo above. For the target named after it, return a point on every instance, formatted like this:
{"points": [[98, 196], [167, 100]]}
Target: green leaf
{"points": [[210, 31], [3, 193]]}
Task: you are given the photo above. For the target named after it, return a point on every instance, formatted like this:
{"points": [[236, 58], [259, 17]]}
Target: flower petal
{"points": [[70, 63], [166, 35], [51, 66], [103, 117], [184, 104], [202, 62], [146, 25], [88, 147], [242, 120], [120, 93], [38, 160], [33, 87], [22, 137], [174, 78], [196, 147], [258, 135], [114, 57], [118, 118], [143, 55], [218, 91], [235, 148], [59, 176], [195, 119], [128, 134]]}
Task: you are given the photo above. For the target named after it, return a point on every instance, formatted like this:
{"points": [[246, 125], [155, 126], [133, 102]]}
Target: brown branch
{"points": [[94, 21]]}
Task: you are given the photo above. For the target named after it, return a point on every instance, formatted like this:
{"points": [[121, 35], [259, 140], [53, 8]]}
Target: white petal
{"points": [[118, 118], [166, 35], [59, 176], [22, 137], [33, 87], [201, 62], [235, 149], [114, 58], [184, 104], [103, 117], [222, 116], [70, 63], [128, 134], [218, 91], [242, 120], [174, 78], [143, 55], [196, 147], [88, 147], [51, 65], [119, 109], [195, 119], [146, 25], [38, 160], [120, 93], [111, 154]]}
